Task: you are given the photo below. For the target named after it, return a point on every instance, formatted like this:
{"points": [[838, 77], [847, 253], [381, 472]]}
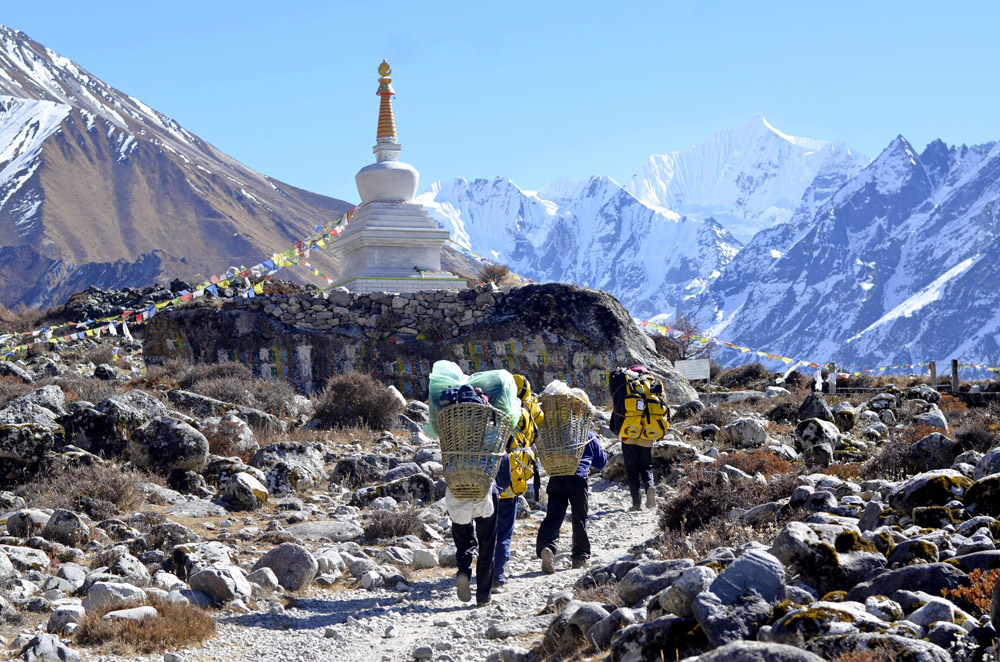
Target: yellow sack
{"points": [[522, 470]]}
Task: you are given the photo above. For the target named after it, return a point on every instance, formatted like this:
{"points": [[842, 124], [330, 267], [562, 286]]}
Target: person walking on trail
{"points": [[521, 458], [572, 491], [474, 523], [638, 456]]}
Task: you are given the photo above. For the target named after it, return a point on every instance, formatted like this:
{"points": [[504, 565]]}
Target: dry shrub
{"points": [[851, 471], [201, 372], [227, 389], [785, 410], [21, 318], [494, 273], [977, 597], [79, 387], [720, 532], [710, 494], [98, 355], [867, 655], [748, 376], [356, 398], [918, 432], [176, 625], [223, 444], [890, 462], [712, 415], [11, 387], [276, 396], [166, 375], [386, 524], [764, 462], [100, 490], [978, 431], [951, 403]]}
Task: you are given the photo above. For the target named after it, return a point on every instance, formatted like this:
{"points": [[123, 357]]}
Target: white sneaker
{"points": [[650, 498], [548, 562]]}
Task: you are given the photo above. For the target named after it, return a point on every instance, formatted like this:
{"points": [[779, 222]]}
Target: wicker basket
{"points": [[562, 434], [473, 443]]}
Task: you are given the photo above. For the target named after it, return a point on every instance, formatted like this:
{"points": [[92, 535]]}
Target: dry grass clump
{"points": [[176, 625], [979, 430], [850, 471], [867, 655], [11, 387], [98, 355], [354, 399], [890, 462], [165, 375], [100, 490], [605, 594], [720, 532], [227, 389], [222, 441], [748, 376], [202, 372], [764, 462], [977, 597], [709, 494], [386, 524], [276, 396], [950, 403], [79, 387], [914, 434], [21, 318], [494, 273]]}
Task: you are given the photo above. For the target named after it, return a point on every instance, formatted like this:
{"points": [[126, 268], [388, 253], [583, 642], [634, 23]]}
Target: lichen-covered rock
{"points": [[289, 466], [244, 492], [725, 623], [67, 528], [26, 559], [232, 433], [844, 416], [933, 417], [756, 651], [827, 557], [106, 592], [47, 647], [936, 487], [418, 487], [813, 431], [202, 405], [188, 558], [922, 392], [664, 638], [929, 577], [934, 451], [293, 565], [753, 572], [895, 646], [166, 444], [983, 496], [824, 618], [28, 433], [26, 522], [678, 598], [50, 397]]}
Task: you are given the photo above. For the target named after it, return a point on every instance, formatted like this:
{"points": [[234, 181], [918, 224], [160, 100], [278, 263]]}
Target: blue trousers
{"points": [[506, 515]]}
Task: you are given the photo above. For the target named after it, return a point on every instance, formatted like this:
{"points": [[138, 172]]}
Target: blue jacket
{"points": [[593, 456]]}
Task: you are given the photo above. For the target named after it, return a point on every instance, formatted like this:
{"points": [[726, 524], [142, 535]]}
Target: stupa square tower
{"points": [[391, 244]]}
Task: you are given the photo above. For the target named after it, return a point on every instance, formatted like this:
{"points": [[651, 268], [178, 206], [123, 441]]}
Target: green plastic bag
{"points": [[498, 385]]}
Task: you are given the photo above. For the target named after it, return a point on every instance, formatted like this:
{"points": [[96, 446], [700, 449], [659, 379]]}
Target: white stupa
{"points": [[391, 244]]}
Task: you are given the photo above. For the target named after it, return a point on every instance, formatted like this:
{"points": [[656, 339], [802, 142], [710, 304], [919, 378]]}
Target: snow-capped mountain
{"points": [[747, 178], [595, 234], [96, 187], [897, 267]]}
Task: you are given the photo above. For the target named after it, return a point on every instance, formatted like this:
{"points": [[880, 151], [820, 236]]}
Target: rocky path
{"points": [[428, 621]]}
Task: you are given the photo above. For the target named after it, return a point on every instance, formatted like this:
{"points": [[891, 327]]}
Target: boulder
{"points": [[244, 492], [725, 623], [202, 405], [932, 578], [107, 592], [47, 647], [824, 618], [678, 598], [649, 578], [416, 488], [933, 417], [827, 557], [814, 431], [332, 530], [664, 638], [166, 444], [66, 527], [922, 392], [11, 369], [934, 451], [26, 559], [753, 572], [936, 487], [191, 557], [844, 416], [743, 433], [28, 433], [814, 406], [292, 564], [133, 614], [50, 397], [756, 651], [221, 583], [289, 466], [893, 646], [63, 615], [232, 433]]}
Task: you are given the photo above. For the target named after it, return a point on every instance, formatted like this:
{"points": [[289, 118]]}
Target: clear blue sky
{"points": [[533, 91]]}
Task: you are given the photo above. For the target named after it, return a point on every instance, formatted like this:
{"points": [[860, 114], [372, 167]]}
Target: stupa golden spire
{"points": [[386, 124]]}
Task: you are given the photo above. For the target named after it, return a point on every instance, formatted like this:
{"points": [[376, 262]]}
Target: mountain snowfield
{"points": [[97, 188], [867, 263]]}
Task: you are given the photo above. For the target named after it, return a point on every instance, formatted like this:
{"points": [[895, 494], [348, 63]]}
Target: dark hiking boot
{"points": [[580, 563], [462, 587], [650, 498]]}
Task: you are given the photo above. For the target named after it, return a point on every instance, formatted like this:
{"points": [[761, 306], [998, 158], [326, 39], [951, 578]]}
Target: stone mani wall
{"points": [[397, 337]]}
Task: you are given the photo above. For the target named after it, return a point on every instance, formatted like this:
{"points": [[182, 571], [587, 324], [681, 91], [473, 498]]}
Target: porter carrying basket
{"points": [[473, 443], [562, 433]]}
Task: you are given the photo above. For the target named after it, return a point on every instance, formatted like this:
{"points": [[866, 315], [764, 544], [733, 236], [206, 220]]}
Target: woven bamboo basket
{"points": [[562, 434], [473, 443]]}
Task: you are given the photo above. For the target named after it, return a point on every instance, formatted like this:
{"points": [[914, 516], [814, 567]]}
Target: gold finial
{"points": [[384, 69]]}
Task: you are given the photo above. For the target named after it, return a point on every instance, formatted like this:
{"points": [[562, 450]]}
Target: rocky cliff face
{"points": [[546, 332]]}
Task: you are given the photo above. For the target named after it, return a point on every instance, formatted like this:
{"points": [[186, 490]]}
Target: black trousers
{"points": [[565, 491], [465, 535], [638, 468]]}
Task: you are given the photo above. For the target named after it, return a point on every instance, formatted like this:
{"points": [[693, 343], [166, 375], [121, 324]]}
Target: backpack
{"points": [[519, 449], [639, 406]]}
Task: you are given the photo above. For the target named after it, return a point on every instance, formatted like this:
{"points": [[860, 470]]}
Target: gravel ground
{"points": [[357, 625]]}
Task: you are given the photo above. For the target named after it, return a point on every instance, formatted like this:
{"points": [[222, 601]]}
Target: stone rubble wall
{"points": [[544, 331]]}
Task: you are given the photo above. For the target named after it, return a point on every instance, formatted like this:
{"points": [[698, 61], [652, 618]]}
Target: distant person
{"points": [[572, 491], [637, 452]]}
